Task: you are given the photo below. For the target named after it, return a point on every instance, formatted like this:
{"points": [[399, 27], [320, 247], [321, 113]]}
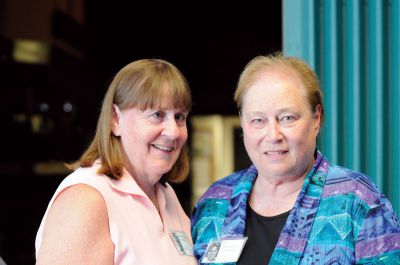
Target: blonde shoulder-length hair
{"points": [[139, 84], [260, 64]]}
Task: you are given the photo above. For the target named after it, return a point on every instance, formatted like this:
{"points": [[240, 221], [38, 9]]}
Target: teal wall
{"points": [[353, 45]]}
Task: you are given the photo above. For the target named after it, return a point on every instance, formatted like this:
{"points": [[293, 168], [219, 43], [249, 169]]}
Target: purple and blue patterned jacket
{"points": [[339, 217]]}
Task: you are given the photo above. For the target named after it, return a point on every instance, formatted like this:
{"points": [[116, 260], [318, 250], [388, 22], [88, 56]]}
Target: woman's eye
{"points": [[256, 121], [288, 118], [181, 117], [158, 115]]}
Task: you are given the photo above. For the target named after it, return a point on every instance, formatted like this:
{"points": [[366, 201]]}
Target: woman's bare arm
{"points": [[77, 230]]}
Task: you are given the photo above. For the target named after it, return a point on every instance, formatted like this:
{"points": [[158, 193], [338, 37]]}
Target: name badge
{"points": [[182, 243], [221, 251]]}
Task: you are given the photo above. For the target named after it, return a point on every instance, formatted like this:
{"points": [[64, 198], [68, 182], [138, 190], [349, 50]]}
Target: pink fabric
{"points": [[139, 235]]}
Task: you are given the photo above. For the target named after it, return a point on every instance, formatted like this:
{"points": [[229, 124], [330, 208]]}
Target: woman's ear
{"points": [[241, 119], [317, 117], [116, 121]]}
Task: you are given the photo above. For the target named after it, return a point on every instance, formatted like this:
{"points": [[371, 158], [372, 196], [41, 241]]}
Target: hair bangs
{"points": [[159, 85], [172, 94]]}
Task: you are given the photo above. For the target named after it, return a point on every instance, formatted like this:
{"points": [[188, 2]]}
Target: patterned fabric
{"points": [[339, 217]]}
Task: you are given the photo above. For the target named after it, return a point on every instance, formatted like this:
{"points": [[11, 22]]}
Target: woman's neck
{"points": [[273, 196], [145, 182]]}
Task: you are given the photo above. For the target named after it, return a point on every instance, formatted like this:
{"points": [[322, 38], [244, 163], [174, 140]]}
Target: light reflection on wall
{"points": [[31, 51], [213, 150]]}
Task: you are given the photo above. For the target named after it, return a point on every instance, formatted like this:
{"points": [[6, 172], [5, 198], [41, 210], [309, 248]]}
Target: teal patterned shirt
{"points": [[339, 217]]}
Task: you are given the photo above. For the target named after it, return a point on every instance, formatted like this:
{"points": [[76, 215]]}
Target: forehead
{"points": [[275, 88]]}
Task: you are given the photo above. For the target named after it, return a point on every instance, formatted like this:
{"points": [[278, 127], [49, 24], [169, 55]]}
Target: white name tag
{"points": [[227, 250], [182, 243]]}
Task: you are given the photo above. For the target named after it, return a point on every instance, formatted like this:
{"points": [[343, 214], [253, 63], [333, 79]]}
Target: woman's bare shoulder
{"points": [[76, 229]]}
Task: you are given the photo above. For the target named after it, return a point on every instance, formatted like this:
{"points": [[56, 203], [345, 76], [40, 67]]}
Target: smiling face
{"points": [[279, 127], [152, 139], [212, 252]]}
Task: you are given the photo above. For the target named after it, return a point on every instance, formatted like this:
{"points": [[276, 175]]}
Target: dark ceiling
{"points": [[210, 44]]}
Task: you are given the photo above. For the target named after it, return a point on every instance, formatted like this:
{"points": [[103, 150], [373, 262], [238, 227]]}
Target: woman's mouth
{"points": [[163, 147], [280, 152]]}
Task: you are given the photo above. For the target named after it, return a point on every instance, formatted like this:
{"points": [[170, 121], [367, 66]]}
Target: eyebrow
{"points": [[290, 109]]}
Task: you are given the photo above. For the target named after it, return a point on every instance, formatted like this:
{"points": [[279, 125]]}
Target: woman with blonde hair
{"points": [[292, 205], [117, 206]]}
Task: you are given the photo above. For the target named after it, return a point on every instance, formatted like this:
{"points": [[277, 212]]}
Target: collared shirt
{"points": [[140, 234], [339, 217]]}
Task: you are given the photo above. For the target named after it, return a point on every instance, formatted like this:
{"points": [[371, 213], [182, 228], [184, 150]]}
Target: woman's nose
{"points": [[273, 133], [171, 129]]}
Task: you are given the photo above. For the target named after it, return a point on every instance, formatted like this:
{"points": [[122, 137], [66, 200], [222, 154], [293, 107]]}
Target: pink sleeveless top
{"points": [[139, 234]]}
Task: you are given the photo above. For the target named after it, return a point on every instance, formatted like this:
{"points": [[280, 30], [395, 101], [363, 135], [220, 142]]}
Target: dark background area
{"points": [[49, 111]]}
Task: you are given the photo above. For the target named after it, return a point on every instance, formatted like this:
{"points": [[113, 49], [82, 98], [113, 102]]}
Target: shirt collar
{"points": [[125, 184]]}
